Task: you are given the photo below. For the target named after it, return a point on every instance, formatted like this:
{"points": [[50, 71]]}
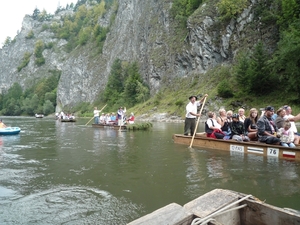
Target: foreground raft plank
{"points": [[222, 207]]}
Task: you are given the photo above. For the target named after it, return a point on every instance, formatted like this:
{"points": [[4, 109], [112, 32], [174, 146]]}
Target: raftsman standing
{"points": [[191, 114]]}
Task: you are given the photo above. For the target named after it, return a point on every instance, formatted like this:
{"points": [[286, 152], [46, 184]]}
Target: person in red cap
{"points": [[191, 114]]}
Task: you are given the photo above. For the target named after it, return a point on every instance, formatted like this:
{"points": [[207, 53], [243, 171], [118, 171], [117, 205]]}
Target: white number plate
{"points": [[237, 148], [273, 152]]}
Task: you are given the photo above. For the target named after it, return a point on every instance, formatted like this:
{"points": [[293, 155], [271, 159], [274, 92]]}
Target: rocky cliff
{"points": [[142, 31]]}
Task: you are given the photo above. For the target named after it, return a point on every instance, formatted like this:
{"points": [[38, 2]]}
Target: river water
{"points": [[69, 173]]}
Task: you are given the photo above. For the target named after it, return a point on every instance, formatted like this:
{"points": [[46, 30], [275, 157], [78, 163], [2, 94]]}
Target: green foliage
{"points": [[45, 27], [30, 35], [115, 83], [290, 12], [44, 16], [231, 8], [30, 105], [286, 61], [83, 26], [266, 11], [139, 126], [25, 61], [142, 92], [253, 74], [7, 41], [82, 108], [242, 74], [48, 107], [11, 100], [84, 35], [225, 89], [259, 73], [182, 9], [125, 85], [179, 103], [38, 53], [37, 99], [35, 14], [49, 45], [131, 84], [100, 35]]}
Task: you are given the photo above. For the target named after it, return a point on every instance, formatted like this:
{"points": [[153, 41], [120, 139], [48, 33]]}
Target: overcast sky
{"points": [[12, 13]]}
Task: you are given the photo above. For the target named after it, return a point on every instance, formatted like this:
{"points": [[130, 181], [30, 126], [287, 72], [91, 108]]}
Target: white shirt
{"points": [[213, 124], [96, 112], [293, 125], [190, 107]]}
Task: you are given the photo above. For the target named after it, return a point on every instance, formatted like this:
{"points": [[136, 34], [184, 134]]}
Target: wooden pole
{"points": [[197, 122], [94, 117]]}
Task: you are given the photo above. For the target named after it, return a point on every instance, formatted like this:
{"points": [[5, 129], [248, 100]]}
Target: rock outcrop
{"points": [[142, 31]]}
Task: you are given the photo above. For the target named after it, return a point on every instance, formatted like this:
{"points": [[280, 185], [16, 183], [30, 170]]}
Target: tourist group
{"points": [[118, 118], [272, 128]]}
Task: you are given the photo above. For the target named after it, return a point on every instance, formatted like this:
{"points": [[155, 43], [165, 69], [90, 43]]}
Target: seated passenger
{"points": [[130, 120], [212, 127], [242, 117], [238, 131], [279, 121], [229, 116], [107, 118], [223, 121], [72, 116], [102, 119], [292, 119], [113, 119], [266, 127], [286, 135], [250, 124]]}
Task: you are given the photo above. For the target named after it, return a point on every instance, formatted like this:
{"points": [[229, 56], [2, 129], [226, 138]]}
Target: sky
{"points": [[12, 13]]}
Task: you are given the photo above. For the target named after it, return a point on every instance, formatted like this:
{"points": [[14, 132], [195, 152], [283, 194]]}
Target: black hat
{"points": [[269, 108], [235, 115], [193, 96]]}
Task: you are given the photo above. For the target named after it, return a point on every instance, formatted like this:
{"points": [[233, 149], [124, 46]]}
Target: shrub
{"points": [[30, 34], [224, 89], [230, 8]]}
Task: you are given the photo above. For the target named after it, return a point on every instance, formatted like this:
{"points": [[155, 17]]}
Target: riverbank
{"points": [[163, 117]]}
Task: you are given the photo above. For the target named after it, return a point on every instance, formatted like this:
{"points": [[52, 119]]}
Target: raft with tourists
{"points": [[221, 206], [252, 147]]}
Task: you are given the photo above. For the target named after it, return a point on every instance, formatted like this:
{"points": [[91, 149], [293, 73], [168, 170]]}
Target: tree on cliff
{"points": [[114, 87]]}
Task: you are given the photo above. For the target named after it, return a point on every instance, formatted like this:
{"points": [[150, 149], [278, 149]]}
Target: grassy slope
{"points": [[165, 101]]}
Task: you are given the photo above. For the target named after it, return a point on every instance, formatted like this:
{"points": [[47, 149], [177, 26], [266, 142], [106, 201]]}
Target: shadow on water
{"points": [[69, 173]]}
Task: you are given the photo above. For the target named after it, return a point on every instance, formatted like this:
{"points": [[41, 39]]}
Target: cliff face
{"points": [[142, 31]]}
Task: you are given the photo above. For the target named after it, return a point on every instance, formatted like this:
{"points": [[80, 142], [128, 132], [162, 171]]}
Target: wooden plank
{"points": [[172, 214]]}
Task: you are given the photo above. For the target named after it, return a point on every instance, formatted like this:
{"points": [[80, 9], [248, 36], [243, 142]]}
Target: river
{"points": [[69, 173]]}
